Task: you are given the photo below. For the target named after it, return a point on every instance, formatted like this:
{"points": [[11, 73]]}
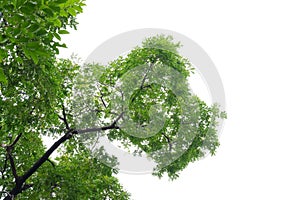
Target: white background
{"points": [[255, 46]]}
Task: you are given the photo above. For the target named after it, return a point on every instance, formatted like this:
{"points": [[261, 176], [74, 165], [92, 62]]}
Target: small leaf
{"points": [[57, 36], [27, 53], [57, 22], [63, 32], [33, 27], [72, 11], [34, 58], [2, 77], [60, 1], [49, 12], [33, 45]]}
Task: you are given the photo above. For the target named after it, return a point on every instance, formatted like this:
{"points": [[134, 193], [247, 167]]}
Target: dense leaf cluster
{"points": [[160, 115], [35, 88], [141, 99]]}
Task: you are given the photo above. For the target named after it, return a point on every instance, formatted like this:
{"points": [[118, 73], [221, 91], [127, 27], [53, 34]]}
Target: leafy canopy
{"points": [[34, 91], [147, 91], [136, 102]]}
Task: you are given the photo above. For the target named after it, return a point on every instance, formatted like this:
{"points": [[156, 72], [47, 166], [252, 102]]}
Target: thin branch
{"points": [[16, 140], [118, 118], [111, 126], [144, 79], [102, 100], [11, 159], [64, 118], [168, 140], [52, 163], [12, 163]]}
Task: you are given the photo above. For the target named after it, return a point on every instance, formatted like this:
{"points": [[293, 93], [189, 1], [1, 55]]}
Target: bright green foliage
{"points": [[35, 88], [37, 100], [162, 118]]}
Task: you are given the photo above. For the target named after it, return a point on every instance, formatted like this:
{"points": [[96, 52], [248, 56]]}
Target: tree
{"points": [[37, 99], [33, 91]]}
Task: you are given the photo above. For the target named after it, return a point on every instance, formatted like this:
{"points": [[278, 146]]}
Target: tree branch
{"points": [[45, 157], [102, 100], [111, 126], [11, 159], [21, 180], [52, 163], [168, 140], [16, 140], [64, 118], [27, 186], [144, 79], [12, 164]]}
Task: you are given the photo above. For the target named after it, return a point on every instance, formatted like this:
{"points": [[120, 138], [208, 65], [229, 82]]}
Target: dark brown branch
{"points": [[111, 126], [102, 100], [11, 159], [45, 157], [16, 140], [88, 130], [27, 186], [64, 118], [144, 79], [12, 163], [168, 140], [52, 163], [21, 180]]}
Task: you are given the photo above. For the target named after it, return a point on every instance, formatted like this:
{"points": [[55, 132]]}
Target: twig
{"points": [[11, 159], [111, 126], [103, 102], [52, 163], [144, 79], [65, 118], [12, 164], [16, 140], [168, 140]]}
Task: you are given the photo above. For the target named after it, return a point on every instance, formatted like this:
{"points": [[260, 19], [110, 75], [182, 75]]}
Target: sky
{"points": [[255, 47]]}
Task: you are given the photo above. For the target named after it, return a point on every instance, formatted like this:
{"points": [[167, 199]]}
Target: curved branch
{"points": [[168, 140], [11, 159], [21, 179]]}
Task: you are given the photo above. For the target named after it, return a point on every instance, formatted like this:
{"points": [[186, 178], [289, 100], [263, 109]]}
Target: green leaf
{"points": [[62, 45], [2, 77], [72, 11], [26, 9], [60, 1], [34, 27], [34, 58], [54, 8], [48, 11], [63, 32], [57, 36], [57, 22], [33, 45], [27, 53]]}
